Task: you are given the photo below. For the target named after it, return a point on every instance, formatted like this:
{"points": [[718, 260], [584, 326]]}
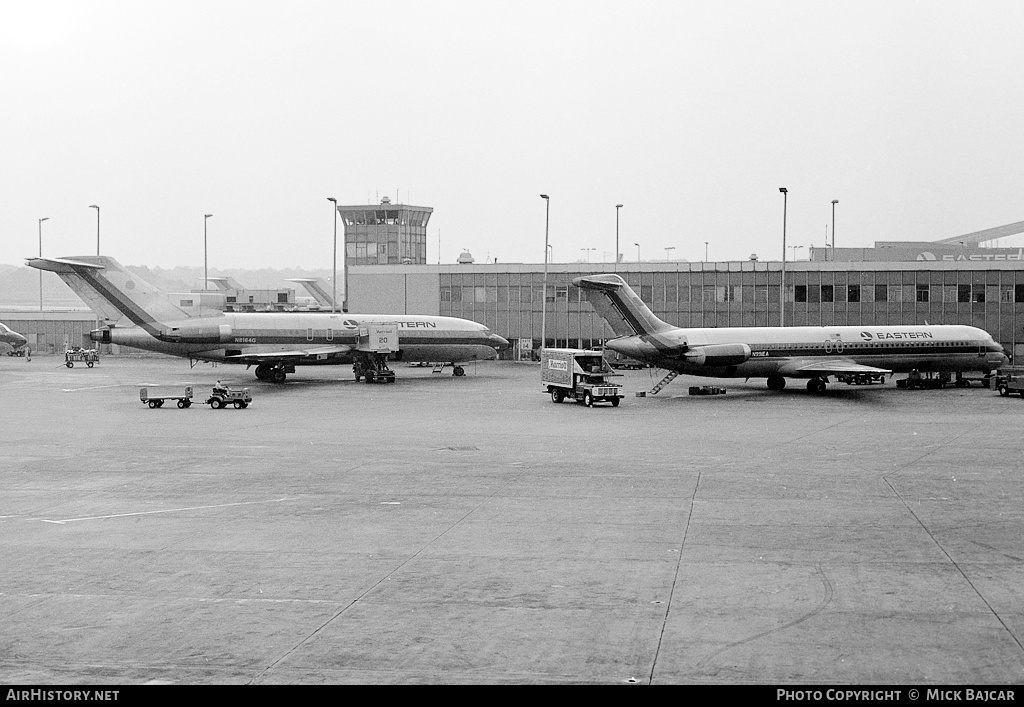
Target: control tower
{"points": [[388, 234]]}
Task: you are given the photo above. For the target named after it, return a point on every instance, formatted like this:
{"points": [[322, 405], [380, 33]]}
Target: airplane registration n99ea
{"points": [[778, 353], [139, 315]]}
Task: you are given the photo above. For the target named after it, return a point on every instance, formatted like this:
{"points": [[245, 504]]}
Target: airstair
{"points": [[664, 381]]}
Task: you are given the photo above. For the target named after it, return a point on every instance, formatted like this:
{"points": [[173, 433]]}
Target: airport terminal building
{"points": [[508, 297], [955, 281]]}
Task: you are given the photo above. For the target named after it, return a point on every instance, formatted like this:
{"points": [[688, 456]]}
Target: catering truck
{"points": [[580, 375]]}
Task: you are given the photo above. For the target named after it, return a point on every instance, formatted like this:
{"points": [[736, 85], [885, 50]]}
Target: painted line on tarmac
{"points": [[166, 510], [92, 387]]}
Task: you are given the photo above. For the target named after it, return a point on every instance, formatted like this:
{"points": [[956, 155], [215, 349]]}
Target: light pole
{"points": [[705, 251], [206, 275], [93, 206], [45, 218], [617, 207], [794, 249], [671, 247], [834, 202], [637, 252], [588, 252], [544, 296], [334, 261], [782, 289]]}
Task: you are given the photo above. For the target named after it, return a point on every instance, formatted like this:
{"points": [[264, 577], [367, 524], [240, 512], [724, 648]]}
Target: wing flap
{"points": [[797, 368], [284, 356]]}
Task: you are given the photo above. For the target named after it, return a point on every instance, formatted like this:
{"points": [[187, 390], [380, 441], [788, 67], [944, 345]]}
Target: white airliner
{"points": [[11, 338], [778, 353], [137, 314]]}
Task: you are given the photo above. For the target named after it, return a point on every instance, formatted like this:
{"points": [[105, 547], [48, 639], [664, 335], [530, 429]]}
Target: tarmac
{"points": [[468, 530]]}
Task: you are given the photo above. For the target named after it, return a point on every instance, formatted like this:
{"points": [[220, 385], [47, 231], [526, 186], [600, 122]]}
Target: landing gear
{"points": [[270, 372], [776, 382], [816, 385]]}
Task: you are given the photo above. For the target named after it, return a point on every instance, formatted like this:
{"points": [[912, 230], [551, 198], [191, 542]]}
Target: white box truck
{"points": [[580, 375]]}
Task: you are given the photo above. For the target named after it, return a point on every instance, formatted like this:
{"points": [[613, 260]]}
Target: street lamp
{"points": [[782, 289], [617, 207], [45, 218], [544, 296], [334, 277], [794, 249], [705, 251], [671, 247], [637, 252], [206, 275], [834, 202], [588, 252], [93, 206]]}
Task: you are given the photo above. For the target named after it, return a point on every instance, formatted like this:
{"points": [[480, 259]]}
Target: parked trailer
{"points": [[580, 375], [156, 396], [982, 379], [915, 379], [223, 395], [707, 390], [860, 378], [89, 357], [1010, 380]]}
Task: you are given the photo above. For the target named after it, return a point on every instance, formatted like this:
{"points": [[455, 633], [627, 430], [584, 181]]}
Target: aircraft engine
{"points": [[716, 355], [198, 334]]}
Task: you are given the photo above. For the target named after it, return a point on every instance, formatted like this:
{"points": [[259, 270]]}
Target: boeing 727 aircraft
{"points": [[784, 352], [139, 315], [11, 338]]}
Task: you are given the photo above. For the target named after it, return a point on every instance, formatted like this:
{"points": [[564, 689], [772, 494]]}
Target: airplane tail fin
{"points": [[315, 287], [620, 306], [111, 291]]}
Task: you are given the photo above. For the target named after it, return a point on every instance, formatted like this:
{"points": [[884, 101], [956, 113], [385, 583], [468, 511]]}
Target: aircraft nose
{"points": [[498, 342]]}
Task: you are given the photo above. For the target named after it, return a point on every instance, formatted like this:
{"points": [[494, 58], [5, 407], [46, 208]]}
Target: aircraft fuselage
{"points": [[232, 338], [765, 351]]}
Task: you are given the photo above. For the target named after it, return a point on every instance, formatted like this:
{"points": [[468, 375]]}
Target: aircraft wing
{"points": [[285, 356], [817, 368]]}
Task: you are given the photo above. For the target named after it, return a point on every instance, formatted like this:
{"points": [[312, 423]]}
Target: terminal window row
{"points": [[955, 294]]}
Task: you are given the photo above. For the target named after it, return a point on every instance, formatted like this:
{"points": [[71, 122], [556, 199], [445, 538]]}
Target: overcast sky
{"points": [[690, 114]]}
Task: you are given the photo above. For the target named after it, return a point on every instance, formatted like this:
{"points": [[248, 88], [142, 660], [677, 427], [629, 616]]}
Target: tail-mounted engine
{"points": [[202, 334], [717, 355]]}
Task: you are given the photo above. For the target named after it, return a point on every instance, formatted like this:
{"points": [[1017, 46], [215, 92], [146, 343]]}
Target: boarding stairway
{"points": [[664, 381]]}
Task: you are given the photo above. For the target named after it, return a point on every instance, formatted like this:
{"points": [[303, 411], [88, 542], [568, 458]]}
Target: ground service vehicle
{"points": [[707, 390], [929, 379], [578, 374], [88, 356], [860, 378], [1010, 379], [156, 396], [223, 395], [964, 381]]}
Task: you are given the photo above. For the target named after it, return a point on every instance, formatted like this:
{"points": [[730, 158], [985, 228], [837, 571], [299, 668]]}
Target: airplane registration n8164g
{"points": [[137, 314], [777, 353]]}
